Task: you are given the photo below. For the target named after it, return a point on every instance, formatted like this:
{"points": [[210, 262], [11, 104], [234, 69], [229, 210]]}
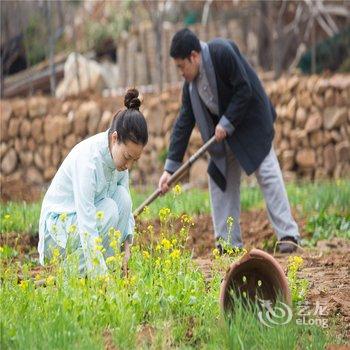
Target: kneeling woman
{"points": [[89, 194]]}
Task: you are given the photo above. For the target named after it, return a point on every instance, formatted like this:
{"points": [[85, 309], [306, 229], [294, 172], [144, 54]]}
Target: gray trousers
{"points": [[227, 204]]}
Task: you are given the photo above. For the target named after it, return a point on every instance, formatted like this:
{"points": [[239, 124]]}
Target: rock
{"points": [[105, 121], [316, 138], [9, 162], [198, 173], [318, 101], [70, 141], [336, 136], [5, 115], [304, 99], [321, 86], [49, 173], [158, 143], [340, 81], [91, 77], [56, 156], [55, 128], [37, 130], [314, 122], [34, 176], [329, 158], [306, 158], [334, 117], [13, 127], [300, 118], [80, 120], [329, 98], [94, 117], [3, 149], [47, 150], [342, 152], [25, 128], [38, 161], [288, 160], [293, 82], [321, 174], [19, 107], [38, 106], [168, 123], [26, 158], [291, 107]]}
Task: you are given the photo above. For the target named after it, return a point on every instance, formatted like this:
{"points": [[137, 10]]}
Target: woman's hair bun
{"points": [[131, 100]]}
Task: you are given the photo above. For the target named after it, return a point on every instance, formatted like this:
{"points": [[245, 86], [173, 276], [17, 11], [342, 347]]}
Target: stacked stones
{"points": [[312, 131], [36, 134], [313, 125]]}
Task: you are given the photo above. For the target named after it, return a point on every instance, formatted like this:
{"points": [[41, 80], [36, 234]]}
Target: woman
{"points": [[89, 194]]}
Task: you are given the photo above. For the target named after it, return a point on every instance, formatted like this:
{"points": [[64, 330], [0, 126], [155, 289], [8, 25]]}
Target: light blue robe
{"points": [[87, 182]]}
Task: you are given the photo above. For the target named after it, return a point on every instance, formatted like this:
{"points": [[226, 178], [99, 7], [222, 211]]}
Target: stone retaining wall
{"points": [[312, 130]]}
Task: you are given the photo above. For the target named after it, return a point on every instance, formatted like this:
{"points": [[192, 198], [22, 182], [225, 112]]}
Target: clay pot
{"points": [[256, 276]]}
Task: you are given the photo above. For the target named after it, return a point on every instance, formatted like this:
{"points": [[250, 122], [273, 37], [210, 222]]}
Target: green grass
{"points": [[309, 199], [19, 217], [166, 295]]}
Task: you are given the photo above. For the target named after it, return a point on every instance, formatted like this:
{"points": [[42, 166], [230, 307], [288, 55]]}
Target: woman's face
{"points": [[124, 154]]}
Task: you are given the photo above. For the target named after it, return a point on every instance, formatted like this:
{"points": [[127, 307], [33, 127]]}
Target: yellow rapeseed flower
{"points": [[177, 190], [113, 244], [63, 217], [72, 229], [7, 216], [56, 253], [50, 280], [166, 244], [24, 285], [164, 214], [230, 221], [98, 240], [216, 253], [111, 260], [146, 254], [100, 215], [146, 210], [175, 254]]}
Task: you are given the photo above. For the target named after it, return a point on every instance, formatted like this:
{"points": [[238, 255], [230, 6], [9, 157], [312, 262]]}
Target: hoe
{"points": [[257, 276]]}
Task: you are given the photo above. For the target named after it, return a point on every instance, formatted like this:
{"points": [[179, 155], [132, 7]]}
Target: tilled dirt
{"points": [[326, 267]]}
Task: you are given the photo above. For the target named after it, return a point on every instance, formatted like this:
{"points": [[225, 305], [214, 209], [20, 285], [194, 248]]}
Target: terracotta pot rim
{"points": [[275, 267]]}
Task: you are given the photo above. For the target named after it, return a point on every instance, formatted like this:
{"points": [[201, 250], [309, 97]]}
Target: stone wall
{"points": [[312, 130]]}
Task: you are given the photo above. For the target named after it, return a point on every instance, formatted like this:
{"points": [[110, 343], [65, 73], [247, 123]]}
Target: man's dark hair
{"points": [[183, 43], [130, 124]]}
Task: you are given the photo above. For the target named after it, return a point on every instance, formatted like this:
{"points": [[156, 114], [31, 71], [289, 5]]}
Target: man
{"points": [[224, 96]]}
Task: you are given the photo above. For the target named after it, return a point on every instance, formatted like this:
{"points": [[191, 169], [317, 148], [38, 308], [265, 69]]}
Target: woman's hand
{"points": [[126, 258]]}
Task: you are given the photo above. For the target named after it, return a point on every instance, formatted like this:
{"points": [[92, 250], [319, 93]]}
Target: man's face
{"points": [[189, 67], [124, 154]]}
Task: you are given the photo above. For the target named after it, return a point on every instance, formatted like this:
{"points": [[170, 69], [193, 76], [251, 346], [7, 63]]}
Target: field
{"points": [[170, 297]]}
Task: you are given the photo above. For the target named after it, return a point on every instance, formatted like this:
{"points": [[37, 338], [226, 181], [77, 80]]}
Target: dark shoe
{"points": [[287, 245]]}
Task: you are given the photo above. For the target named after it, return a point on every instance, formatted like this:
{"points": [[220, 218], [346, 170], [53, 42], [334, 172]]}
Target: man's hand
{"points": [[126, 258], [220, 133], [163, 182]]}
